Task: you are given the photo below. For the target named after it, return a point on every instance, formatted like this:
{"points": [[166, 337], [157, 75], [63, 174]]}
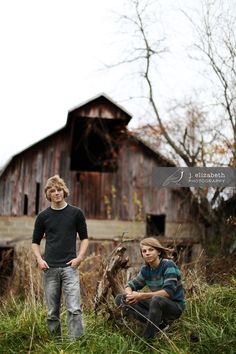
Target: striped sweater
{"points": [[165, 277]]}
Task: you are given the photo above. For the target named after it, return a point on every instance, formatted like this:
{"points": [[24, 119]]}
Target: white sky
{"points": [[51, 55]]}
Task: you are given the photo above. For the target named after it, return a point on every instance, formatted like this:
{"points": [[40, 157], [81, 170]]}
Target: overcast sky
{"points": [[52, 55]]}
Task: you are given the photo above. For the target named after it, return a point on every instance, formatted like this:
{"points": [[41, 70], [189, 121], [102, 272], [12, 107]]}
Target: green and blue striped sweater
{"points": [[165, 277]]}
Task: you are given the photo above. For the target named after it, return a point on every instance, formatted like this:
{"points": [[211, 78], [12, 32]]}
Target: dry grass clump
{"points": [[91, 271], [194, 277], [6, 267], [220, 269], [26, 279]]}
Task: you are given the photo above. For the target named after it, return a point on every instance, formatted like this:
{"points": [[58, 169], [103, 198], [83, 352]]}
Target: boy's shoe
{"points": [[164, 326]]}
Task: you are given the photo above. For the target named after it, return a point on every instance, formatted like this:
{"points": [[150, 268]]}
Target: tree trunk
{"points": [[116, 262]]}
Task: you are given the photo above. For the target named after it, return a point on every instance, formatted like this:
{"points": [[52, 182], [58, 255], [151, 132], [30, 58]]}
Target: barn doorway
{"points": [[155, 224], [25, 207]]}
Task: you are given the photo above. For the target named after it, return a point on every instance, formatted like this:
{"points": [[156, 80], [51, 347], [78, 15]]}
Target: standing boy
{"points": [[60, 224]]}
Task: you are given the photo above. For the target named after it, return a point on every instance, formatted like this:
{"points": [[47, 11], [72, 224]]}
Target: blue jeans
{"points": [[66, 280]]}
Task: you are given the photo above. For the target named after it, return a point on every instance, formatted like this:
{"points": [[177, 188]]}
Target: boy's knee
{"points": [[157, 300]]}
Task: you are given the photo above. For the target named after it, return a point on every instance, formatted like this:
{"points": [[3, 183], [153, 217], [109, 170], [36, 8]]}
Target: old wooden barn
{"points": [[110, 174]]}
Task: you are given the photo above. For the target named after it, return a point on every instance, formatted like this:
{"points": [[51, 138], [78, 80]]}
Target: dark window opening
{"points": [[155, 225], [95, 145], [25, 204], [37, 198], [6, 266]]}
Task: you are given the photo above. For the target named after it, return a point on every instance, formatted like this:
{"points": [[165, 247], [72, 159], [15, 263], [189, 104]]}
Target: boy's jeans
{"points": [[153, 312], [57, 280]]}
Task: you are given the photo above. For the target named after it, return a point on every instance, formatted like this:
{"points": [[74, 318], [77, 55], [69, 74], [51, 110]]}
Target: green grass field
{"points": [[208, 326]]}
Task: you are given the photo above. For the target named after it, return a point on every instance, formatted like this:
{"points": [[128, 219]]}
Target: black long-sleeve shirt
{"points": [[60, 227]]}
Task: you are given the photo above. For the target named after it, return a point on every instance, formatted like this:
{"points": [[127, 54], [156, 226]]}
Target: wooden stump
{"points": [[116, 262]]}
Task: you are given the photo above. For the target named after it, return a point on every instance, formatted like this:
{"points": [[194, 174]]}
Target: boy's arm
{"points": [[41, 262], [75, 262]]}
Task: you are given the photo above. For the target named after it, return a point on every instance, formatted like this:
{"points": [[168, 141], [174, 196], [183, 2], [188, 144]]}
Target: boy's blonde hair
{"points": [[154, 243], [55, 182]]}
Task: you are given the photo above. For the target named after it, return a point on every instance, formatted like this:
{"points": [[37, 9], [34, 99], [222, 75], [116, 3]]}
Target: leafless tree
{"points": [[192, 140], [220, 53], [216, 45]]}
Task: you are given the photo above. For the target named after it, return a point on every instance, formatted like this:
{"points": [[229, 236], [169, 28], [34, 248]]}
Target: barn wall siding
{"points": [[20, 179], [127, 194]]}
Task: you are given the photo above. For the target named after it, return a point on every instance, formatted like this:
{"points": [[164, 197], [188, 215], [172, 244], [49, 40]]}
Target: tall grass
{"points": [[207, 326]]}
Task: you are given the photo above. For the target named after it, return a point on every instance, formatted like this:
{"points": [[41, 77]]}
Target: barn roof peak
{"points": [[100, 106]]}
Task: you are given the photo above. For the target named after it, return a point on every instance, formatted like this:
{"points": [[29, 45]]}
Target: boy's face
{"points": [[55, 194], [150, 254]]}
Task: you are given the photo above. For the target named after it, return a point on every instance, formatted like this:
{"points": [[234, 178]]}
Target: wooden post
{"points": [[116, 262]]}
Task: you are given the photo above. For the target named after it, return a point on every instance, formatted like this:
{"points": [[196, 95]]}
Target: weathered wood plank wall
{"points": [[128, 194]]}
